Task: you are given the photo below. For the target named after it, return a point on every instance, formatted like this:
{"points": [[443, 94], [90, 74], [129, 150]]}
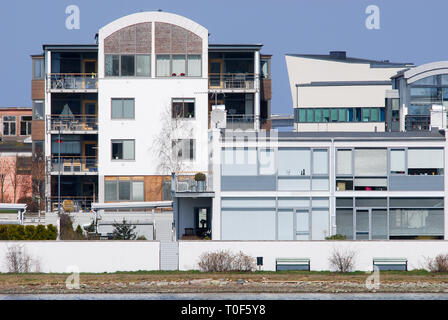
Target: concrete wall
{"points": [[317, 251], [89, 256]]}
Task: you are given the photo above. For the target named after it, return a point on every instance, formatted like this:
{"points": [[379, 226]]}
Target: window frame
{"points": [[183, 117], [117, 141], [131, 179], [122, 108], [28, 124], [9, 122]]}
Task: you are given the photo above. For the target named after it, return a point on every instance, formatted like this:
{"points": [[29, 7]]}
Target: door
{"points": [[89, 153], [215, 73], [90, 73], [302, 224], [202, 221], [362, 224], [89, 111]]}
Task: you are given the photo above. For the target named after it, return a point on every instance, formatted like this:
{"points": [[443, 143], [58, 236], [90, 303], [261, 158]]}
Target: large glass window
{"points": [[123, 149], [294, 162], [398, 161], [320, 161], [124, 188], [370, 162], [194, 65], [425, 161], [344, 162], [123, 109], [38, 110], [184, 149], [163, 65], [179, 65], [38, 69]]}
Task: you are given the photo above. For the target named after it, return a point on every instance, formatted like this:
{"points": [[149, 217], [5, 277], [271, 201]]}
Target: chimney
{"points": [[340, 55]]}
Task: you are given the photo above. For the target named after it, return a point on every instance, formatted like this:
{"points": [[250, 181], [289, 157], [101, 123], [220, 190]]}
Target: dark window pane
{"points": [[117, 150], [112, 66], [127, 66], [124, 190]]}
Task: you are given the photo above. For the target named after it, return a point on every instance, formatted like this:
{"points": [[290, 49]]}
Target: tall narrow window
{"points": [[38, 69], [143, 65], [184, 149], [112, 65], [38, 110], [127, 65], [25, 125], [163, 65], [179, 65], [398, 161], [9, 125], [194, 65]]}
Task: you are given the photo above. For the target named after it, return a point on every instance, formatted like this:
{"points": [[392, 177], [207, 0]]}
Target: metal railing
{"points": [[231, 80], [75, 122], [72, 81], [185, 182], [69, 164], [417, 122], [70, 203]]}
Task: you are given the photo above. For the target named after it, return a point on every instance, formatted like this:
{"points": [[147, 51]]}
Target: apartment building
{"points": [[335, 92], [116, 118]]}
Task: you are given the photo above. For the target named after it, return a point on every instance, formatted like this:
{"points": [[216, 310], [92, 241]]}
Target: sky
{"points": [[410, 31]]}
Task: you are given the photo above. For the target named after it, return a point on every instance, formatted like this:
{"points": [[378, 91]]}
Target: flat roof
{"points": [[348, 135], [381, 63], [235, 46], [77, 47]]}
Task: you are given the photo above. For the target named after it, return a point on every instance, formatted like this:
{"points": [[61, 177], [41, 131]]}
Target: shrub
{"points": [[29, 232], [67, 232], [124, 231], [342, 261], [336, 237], [438, 264], [199, 176], [141, 238], [225, 261]]}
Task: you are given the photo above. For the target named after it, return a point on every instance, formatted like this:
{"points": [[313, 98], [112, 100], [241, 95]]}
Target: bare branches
{"points": [[342, 260], [19, 261], [224, 260]]}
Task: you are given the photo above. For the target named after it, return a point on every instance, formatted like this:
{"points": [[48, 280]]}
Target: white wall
{"points": [[317, 251], [89, 256]]}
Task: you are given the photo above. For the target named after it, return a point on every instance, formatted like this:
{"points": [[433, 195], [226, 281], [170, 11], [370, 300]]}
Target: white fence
{"points": [[88, 256], [111, 256], [318, 252]]}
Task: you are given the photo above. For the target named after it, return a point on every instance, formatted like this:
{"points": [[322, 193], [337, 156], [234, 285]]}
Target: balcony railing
{"points": [[185, 182], [231, 81], [240, 121], [75, 122], [70, 203], [72, 164], [72, 81], [417, 122]]}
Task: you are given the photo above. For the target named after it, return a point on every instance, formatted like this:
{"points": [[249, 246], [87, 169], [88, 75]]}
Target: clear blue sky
{"points": [[411, 31]]}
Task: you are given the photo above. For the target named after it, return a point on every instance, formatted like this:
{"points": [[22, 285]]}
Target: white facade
{"points": [[153, 96]]}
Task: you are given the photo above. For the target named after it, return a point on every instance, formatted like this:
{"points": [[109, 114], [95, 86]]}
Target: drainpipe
{"points": [[332, 176]]}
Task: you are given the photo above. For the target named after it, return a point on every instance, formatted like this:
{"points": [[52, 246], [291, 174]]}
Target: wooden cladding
{"points": [[154, 187], [38, 89], [38, 130], [266, 89], [134, 39], [172, 39]]}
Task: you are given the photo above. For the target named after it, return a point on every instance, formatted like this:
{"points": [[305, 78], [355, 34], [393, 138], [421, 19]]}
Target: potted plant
{"points": [[200, 181]]}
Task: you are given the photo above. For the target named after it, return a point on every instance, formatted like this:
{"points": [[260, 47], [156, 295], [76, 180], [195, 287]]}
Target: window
{"points": [[265, 69], [163, 65], [183, 108], [398, 161], [112, 65], [124, 188], [123, 149], [370, 162], [38, 69], [9, 125], [425, 161], [38, 110], [344, 162], [318, 115], [239, 162], [69, 144], [365, 114], [143, 65], [294, 162], [194, 65], [127, 65], [179, 65], [184, 149], [320, 161], [25, 125], [123, 109], [266, 161]]}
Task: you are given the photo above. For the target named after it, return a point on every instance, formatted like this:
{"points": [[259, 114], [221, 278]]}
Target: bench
{"points": [[282, 264], [384, 264]]}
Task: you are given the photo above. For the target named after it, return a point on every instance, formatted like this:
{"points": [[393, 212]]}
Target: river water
{"points": [[231, 296]]}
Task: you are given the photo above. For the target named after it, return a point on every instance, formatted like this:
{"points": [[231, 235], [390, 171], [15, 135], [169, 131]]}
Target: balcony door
{"points": [[215, 72], [89, 111], [89, 66], [90, 154]]}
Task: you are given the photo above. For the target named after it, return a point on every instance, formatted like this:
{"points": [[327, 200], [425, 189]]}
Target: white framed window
{"points": [[123, 149], [9, 125], [184, 149], [25, 125], [123, 108]]}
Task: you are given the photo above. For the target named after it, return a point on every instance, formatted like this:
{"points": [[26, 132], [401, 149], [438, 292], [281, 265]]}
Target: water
{"points": [[230, 296]]}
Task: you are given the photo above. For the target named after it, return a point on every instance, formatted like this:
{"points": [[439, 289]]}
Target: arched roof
{"points": [[426, 70]]}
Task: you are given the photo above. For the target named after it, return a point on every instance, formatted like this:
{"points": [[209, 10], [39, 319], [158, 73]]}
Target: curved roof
{"points": [[426, 70], [157, 16]]}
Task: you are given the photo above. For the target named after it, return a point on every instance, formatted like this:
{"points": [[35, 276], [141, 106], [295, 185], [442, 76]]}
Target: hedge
{"points": [[20, 232]]}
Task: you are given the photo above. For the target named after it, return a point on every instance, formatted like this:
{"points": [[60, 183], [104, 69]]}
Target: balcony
{"points": [[417, 122], [76, 123], [72, 165], [72, 82], [232, 82], [185, 185], [240, 121], [70, 203]]}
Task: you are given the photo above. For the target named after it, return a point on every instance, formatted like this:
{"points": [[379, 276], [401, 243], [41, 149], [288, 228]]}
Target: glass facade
{"points": [[324, 115]]}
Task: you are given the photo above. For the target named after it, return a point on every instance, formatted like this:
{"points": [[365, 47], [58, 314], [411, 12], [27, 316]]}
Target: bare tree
{"points": [[438, 264], [5, 168], [166, 142], [342, 260], [38, 180], [19, 261]]}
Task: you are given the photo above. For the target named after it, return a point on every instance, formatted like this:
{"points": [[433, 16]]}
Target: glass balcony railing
{"points": [[417, 122], [72, 81], [72, 164], [74, 122], [185, 182]]}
